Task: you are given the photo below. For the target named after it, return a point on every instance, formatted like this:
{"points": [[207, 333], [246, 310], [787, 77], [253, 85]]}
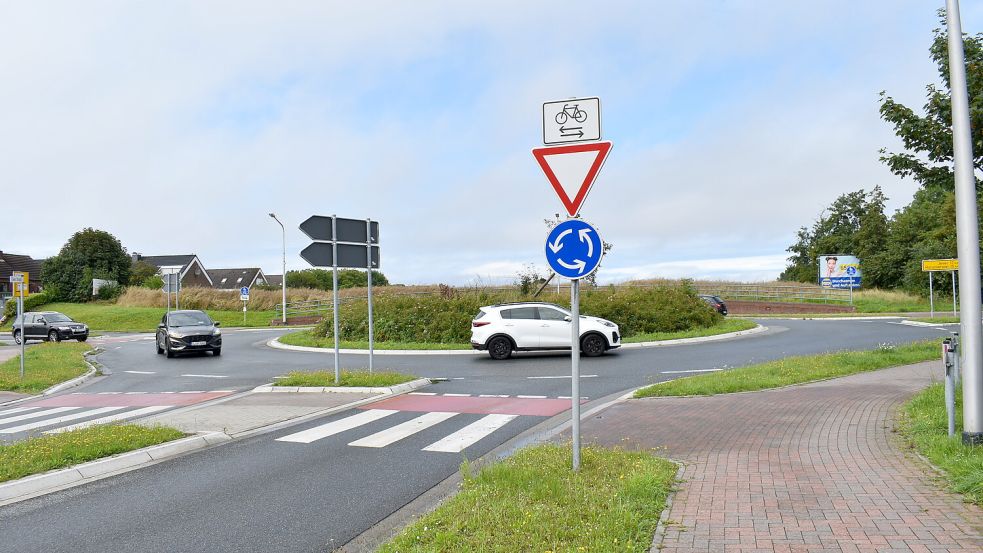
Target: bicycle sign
{"points": [[574, 120]]}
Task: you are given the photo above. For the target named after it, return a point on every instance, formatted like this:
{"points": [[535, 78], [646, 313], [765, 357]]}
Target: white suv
{"points": [[504, 328]]}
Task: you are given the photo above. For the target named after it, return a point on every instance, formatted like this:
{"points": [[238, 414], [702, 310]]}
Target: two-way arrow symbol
{"points": [[565, 131]]}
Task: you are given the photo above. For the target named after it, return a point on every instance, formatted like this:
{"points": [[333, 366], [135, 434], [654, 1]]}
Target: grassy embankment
{"points": [[45, 365], [55, 451], [794, 370], [923, 423], [533, 501], [360, 378], [116, 318]]}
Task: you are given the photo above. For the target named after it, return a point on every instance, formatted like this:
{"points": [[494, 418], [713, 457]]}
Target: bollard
{"points": [[955, 358], [950, 389]]}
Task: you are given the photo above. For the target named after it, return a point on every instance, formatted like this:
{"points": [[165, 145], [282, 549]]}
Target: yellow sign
{"points": [[940, 265], [21, 289]]}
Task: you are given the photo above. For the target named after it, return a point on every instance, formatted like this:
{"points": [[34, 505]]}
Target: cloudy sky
{"points": [[177, 126]]}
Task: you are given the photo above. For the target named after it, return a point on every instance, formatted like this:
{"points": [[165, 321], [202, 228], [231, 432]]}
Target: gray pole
{"points": [[967, 235], [283, 230], [931, 296], [23, 335], [334, 288], [953, 274], [368, 251], [575, 369]]}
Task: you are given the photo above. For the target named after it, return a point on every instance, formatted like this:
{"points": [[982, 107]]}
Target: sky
{"points": [[178, 126]]}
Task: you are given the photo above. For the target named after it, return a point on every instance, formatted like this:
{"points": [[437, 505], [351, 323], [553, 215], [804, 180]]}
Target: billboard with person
{"points": [[839, 271]]}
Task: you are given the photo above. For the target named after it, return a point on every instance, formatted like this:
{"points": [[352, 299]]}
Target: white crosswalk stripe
{"points": [[470, 434], [35, 414], [400, 431], [59, 420], [16, 410], [335, 427], [111, 418]]}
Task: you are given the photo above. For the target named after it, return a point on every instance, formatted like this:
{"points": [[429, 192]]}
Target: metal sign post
{"points": [[334, 290], [23, 335], [953, 275], [368, 266], [244, 296]]}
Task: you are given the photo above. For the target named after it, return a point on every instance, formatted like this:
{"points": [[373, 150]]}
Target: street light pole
{"points": [[283, 277]]}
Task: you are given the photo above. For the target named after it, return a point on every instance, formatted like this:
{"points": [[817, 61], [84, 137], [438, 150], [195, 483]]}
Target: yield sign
{"points": [[572, 170]]}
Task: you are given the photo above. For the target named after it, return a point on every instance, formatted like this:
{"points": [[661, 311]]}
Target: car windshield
{"points": [[56, 318], [188, 319]]}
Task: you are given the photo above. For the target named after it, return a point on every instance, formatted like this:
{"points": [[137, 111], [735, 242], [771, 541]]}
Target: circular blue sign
{"points": [[574, 249], [244, 291]]}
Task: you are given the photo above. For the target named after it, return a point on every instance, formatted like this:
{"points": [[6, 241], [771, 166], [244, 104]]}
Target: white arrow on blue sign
{"points": [[574, 249]]}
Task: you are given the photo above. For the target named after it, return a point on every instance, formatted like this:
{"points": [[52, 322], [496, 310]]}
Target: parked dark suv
{"points": [[716, 303], [188, 331], [51, 326]]}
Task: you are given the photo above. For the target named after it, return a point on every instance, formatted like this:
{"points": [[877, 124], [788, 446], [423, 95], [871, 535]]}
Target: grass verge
{"points": [[55, 451], [726, 326], [308, 339], [533, 501], [358, 378], [45, 365], [116, 318], [923, 423], [794, 370]]}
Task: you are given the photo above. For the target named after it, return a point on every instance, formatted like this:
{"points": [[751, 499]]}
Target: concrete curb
{"points": [[31, 486], [277, 344], [391, 390]]}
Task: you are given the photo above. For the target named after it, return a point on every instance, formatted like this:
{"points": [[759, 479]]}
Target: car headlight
{"points": [[175, 335], [217, 332], [608, 323]]}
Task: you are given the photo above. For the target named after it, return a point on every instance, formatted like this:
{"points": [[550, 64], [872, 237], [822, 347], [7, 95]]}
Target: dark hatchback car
{"points": [[51, 326], [186, 332], [715, 302]]}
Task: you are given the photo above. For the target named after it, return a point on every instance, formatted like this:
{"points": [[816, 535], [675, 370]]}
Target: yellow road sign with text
{"points": [[940, 265], [22, 289]]}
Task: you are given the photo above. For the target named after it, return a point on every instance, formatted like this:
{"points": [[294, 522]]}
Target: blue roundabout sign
{"points": [[574, 249]]}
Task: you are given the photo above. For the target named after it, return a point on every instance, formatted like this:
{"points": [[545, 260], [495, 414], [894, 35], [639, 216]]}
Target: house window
{"points": [[224, 279], [239, 281]]}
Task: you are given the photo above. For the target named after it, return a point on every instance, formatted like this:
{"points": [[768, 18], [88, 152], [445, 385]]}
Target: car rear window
{"points": [[479, 315], [520, 313]]}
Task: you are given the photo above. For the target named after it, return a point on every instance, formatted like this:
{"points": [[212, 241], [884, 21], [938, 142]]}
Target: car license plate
{"points": [[198, 343]]}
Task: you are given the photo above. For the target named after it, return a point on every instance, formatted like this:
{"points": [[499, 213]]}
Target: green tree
{"points": [[321, 279], [141, 272], [88, 254], [835, 231], [927, 138], [871, 241]]}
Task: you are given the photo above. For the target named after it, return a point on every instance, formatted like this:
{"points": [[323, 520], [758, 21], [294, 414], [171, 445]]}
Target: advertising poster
{"points": [[839, 271]]}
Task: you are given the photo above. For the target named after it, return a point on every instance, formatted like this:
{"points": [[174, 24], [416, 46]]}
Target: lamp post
{"points": [[283, 277]]}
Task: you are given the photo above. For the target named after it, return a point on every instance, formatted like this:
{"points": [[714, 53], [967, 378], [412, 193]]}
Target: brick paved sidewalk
{"points": [[808, 468]]}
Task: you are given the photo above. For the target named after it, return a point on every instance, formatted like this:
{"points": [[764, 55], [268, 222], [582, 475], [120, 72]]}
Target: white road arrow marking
{"points": [[577, 264], [557, 245], [584, 238]]}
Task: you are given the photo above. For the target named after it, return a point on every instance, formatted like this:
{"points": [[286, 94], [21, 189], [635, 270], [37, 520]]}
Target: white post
{"points": [[967, 234], [334, 288], [954, 314], [931, 296], [23, 335], [575, 369], [368, 264], [283, 284]]}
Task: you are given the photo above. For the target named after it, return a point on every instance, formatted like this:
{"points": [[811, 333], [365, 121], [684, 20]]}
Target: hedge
{"points": [[30, 302]]}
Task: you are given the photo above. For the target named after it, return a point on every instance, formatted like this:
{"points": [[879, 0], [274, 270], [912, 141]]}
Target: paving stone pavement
{"points": [[810, 468]]}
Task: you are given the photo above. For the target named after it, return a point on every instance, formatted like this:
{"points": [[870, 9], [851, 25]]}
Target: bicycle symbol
{"points": [[571, 112]]}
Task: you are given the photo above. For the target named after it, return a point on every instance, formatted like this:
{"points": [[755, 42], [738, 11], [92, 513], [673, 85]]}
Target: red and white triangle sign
{"points": [[572, 170]]}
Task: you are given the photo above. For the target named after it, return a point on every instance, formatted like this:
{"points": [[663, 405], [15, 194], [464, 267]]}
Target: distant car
{"points": [[50, 326], [188, 331], [715, 302], [504, 328]]}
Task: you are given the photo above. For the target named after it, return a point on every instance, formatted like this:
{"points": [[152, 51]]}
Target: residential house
{"points": [[192, 272], [23, 263], [274, 280], [234, 279]]}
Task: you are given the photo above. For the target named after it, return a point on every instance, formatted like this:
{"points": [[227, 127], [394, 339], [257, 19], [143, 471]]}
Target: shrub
{"points": [[110, 291], [30, 303]]}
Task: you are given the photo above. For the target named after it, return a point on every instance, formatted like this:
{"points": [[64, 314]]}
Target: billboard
{"points": [[839, 271]]}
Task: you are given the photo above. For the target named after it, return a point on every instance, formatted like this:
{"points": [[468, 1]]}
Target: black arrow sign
{"points": [[318, 227], [320, 254], [566, 131]]}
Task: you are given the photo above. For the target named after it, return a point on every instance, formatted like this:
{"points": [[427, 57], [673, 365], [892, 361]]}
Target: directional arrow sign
{"points": [[318, 227], [573, 249], [572, 170], [319, 254]]}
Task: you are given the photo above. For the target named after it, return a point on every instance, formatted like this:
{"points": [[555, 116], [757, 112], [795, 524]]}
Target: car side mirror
{"points": [[218, 323], [567, 318], [161, 325], [42, 321]]}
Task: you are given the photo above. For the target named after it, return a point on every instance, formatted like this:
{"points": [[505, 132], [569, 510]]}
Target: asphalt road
{"points": [[263, 494]]}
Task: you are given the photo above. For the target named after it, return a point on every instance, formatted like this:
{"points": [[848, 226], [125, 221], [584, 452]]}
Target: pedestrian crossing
{"points": [[455, 442]]}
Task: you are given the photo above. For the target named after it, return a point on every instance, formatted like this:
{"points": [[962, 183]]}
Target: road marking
{"points": [[335, 427], [567, 376], [205, 375], [192, 392], [458, 395], [423, 393], [140, 372], [133, 393], [531, 397], [692, 371], [460, 440], [492, 395], [109, 393], [43, 413], [111, 418], [400, 431], [16, 410], [59, 420]]}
